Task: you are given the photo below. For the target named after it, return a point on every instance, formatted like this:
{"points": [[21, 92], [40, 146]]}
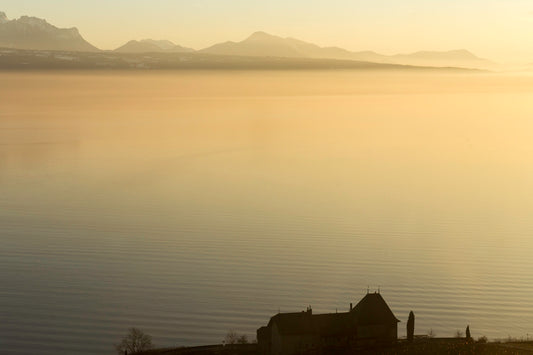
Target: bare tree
{"points": [[458, 334], [135, 341], [231, 337]]}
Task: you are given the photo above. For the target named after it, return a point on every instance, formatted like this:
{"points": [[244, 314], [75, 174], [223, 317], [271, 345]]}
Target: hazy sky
{"points": [[498, 29]]}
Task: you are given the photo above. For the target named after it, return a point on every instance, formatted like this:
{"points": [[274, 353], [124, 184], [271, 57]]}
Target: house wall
{"points": [[298, 344], [393, 332], [337, 344], [264, 339], [292, 344], [378, 332]]}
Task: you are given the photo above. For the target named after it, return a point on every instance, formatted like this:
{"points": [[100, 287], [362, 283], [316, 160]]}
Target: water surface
{"points": [[191, 203]]}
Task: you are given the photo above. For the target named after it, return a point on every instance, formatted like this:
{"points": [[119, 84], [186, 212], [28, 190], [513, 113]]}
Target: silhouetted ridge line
{"points": [[37, 34]]}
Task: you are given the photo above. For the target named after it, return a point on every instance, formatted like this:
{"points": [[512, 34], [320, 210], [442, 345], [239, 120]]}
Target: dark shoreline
{"points": [[27, 60]]}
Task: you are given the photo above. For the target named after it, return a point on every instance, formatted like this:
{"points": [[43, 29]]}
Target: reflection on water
{"points": [[187, 204]]}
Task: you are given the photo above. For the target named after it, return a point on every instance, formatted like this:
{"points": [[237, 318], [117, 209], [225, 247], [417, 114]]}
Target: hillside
{"points": [[434, 346]]}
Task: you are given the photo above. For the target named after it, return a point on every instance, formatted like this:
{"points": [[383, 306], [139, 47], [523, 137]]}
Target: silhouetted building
{"points": [[370, 322]]}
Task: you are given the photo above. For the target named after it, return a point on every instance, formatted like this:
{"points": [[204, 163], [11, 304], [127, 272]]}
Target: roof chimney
{"points": [[351, 306]]}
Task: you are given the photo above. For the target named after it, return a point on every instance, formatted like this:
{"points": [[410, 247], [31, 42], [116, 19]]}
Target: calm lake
{"points": [[191, 203]]}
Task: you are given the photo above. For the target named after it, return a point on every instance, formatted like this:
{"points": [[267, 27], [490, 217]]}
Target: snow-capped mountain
{"points": [[35, 33]]}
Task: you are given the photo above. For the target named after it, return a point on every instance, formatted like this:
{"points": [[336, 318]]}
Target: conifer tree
{"points": [[411, 327]]}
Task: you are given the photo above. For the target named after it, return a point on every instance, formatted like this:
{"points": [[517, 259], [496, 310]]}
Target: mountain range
{"points": [[262, 44], [34, 33]]}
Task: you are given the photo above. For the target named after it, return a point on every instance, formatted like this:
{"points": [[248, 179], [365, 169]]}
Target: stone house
{"points": [[370, 322]]}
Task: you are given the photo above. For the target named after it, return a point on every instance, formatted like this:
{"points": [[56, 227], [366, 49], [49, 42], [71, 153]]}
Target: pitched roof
{"points": [[373, 309], [294, 323], [320, 324]]}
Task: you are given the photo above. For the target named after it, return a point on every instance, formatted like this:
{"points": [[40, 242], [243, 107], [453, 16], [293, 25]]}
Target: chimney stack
{"points": [[350, 306]]}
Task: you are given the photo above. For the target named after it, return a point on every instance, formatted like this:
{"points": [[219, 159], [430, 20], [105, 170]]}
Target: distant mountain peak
{"points": [[464, 52], [261, 36], [163, 44], [28, 32], [152, 46], [3, 17], [451, 55], [42, 24], [35, 22]]}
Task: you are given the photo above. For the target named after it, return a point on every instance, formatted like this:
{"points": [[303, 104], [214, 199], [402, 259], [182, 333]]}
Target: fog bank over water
{"points": [[189, 203]]}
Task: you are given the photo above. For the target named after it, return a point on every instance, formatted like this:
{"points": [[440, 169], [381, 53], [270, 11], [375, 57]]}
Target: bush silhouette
{"points": [[482, 340]]}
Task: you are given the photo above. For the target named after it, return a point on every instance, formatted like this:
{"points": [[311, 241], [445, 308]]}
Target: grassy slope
{"points": [[427, 346]]}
